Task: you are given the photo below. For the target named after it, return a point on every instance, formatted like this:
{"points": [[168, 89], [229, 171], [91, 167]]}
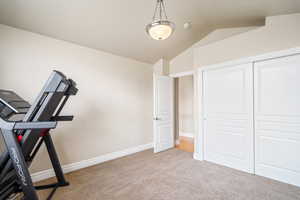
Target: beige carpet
{"points": [[171, 175]]}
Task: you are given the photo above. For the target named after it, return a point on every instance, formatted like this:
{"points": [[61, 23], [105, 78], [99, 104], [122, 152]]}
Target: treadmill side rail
{"points": [[34, 125], [19, 163]]}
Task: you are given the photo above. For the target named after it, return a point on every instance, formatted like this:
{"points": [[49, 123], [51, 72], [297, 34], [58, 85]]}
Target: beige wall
{"points": [[223, 33], [185, 61], [279, 33], [185, 104], [161, 67], [113, 109]]}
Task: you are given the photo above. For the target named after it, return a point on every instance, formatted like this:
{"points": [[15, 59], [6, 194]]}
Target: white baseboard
{"points": [[186, 134], [90, 162], [198, 156]]}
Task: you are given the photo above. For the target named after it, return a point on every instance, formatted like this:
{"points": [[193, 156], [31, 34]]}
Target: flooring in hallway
{"points": [[186, 144]]}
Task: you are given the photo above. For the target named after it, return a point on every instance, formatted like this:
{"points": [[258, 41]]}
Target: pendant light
{"points": [[160, 28]]}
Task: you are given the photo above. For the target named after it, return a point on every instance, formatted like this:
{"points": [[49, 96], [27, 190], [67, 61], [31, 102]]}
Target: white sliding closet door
{"points": [[228, 116], [277, 119]]}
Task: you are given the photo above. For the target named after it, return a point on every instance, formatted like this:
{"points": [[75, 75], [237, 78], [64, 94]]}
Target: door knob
{"points": [[155, 118]]}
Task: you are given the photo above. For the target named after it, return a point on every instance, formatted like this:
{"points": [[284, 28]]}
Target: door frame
{"points": [[193, 73], [198, 90]]}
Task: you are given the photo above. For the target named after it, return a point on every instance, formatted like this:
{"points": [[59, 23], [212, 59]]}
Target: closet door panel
{"points": [[228, 116], [277, 119]]}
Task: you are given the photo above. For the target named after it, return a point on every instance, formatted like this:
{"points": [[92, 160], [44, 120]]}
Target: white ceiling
{"points": [[117, 26]]}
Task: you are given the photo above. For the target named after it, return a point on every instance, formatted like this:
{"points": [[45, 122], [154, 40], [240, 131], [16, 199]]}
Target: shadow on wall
{"points": [[93, 131], [64, 137]]}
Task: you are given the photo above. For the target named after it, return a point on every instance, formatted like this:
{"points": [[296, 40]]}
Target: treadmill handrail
{"points": [[34, 125], [6, 125]]}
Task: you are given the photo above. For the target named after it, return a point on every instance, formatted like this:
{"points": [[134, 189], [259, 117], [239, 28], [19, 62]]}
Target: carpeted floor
{"points": [[170, 175]]}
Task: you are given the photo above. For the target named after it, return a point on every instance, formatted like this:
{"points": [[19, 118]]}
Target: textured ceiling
{"points": [[117, 26]]}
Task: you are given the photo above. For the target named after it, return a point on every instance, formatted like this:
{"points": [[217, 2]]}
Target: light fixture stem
{"points": [[162, 11], [157, 4]]}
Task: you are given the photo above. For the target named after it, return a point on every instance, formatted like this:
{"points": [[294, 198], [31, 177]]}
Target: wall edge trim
{"points": [[45, 174]]}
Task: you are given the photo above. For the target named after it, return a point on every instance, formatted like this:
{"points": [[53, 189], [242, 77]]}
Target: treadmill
{"points": [[24, 128]]}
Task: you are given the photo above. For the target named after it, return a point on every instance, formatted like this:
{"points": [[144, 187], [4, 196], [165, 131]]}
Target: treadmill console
{"points": [[11, 103]]}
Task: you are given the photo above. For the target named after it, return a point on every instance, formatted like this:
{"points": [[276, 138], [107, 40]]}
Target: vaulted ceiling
{"points": [[118, 26]]}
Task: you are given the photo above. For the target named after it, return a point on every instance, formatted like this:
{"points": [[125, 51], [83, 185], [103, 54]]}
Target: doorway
{"points": [[174, 116], [184, 113]]}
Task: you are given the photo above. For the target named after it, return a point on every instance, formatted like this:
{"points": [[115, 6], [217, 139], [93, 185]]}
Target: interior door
{"points": [[277, 119], [228, 116], [163, 120]]}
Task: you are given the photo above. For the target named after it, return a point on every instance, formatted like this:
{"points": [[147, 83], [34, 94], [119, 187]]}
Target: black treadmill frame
{"points": [[41, 117]]}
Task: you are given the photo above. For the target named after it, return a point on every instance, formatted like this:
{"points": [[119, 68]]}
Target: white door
{"points": [[228, 116], [163, 120], [277, 119]]}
